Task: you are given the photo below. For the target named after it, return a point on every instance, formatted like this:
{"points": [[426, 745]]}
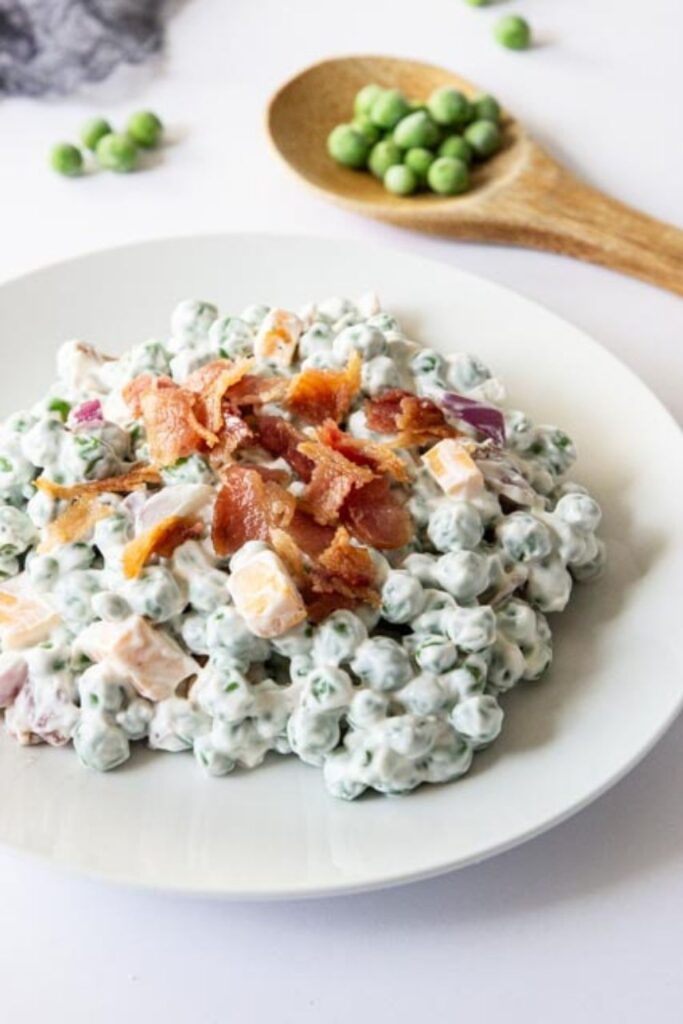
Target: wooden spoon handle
{"points": [[548, 208]]}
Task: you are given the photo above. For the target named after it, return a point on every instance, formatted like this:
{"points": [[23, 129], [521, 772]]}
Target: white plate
{"points": [[617, 681]]}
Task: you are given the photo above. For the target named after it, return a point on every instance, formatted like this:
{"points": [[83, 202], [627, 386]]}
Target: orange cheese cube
{"points": [[266, 596], [451, 465], [277, 337]]}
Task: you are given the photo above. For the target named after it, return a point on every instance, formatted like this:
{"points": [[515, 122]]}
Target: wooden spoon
{"points": [[522, 196]]}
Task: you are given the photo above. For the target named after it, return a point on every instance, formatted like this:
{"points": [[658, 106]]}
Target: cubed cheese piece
{"points": [[25, 618], [148, 657], [454, 469], [97, 640], [277, 337], [266, 596]]}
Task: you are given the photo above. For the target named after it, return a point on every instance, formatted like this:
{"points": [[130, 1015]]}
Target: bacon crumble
{"points": [[162, 539], [247, 508], [378, 457], [138, 476], [318, 395], [346, 569], [333, 479], [416, 421]]}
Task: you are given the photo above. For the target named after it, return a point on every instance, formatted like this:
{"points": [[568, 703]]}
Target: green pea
{"points": [[93, 130], [362, 105], [116, 153], [348, 146], [448, 176], [66, 159], [384, 155], [419, 160], [484, 137], [487, 108], [61, 406], [368, 130], [145, 129], [449, 107], [400, 180], [458, 147], [388, 109], [513, 32], [416, 129]]}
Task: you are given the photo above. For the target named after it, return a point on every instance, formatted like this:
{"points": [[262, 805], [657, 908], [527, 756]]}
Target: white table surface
{"points": [[582, 922]]}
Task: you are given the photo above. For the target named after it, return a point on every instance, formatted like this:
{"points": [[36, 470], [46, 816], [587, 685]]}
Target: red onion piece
{"points": [[87, 414], [485, 419], [504, 479]]}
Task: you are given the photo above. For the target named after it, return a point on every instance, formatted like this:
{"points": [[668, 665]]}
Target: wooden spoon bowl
{"points": [[521, 196]]}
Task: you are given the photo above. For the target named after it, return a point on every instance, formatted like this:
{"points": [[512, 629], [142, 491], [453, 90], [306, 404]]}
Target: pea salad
{"points": [[286, 533]]}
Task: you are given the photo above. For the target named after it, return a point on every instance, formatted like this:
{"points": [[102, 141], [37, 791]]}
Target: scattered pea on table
{"points": [[513, 32], [93, 130], [145, 129], [116, 153], [66, 159]]}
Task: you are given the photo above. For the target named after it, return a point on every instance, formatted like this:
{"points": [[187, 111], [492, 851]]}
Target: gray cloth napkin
{"points": [[53, 46]]}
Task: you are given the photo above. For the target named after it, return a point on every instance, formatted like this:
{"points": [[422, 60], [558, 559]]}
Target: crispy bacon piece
{"points": [[210, 383], [280, 503], [234, 433], [141, 385], [417, 421], [310, 537], [136, 477], [379, 457], [75, 522], [375, 516], [281, 439], [286, 548], [254, 390], [421, 422], [172, 428], [382, 412], [277, 476], [346, 569], [334, 477], [318, 395], [319, 606], [162, 539], [247, 508]]}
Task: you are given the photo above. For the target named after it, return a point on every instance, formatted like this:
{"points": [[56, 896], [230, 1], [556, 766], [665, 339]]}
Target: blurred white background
{"points": [[583, 922]]}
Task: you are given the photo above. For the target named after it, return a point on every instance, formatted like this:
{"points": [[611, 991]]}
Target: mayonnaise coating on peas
{"points": [[387, 693]]}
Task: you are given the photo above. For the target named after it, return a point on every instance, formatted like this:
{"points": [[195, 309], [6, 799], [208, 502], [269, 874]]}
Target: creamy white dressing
{"points": [[178, 658]]}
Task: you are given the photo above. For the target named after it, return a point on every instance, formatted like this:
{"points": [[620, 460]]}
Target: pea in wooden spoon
{"points": [[522, 196]]}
